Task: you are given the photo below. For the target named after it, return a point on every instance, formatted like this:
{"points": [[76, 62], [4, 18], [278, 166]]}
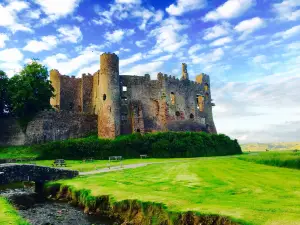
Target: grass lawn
{"points": [[255, 193], [17, 152], [289, 159], [8, 214], [99, 164]]}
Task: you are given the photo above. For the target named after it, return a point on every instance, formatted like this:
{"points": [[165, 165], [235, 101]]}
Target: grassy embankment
{"points": [[8, 215], [288, 159], [244, 191], [279, 146]]}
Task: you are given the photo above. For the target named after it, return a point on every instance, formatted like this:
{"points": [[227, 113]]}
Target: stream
{"points": [[41, 211]]}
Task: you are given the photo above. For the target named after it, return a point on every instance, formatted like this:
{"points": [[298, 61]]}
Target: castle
{"points": [[126, 104]]}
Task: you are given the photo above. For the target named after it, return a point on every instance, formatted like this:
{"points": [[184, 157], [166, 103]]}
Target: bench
{"points": [[144, 156], [88, 160], [59, 162], [115, 158]]}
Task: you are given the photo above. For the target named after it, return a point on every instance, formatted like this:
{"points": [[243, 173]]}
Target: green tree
{"points": [[4, 98], [30, 91]]}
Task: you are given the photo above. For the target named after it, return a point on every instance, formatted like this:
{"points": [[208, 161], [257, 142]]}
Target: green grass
{"points": [[287, 159], [257, 194], [8, 215], [99, 164]]}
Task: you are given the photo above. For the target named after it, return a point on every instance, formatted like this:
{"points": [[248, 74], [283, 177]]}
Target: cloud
{"points": [[9, 18], [142, 69], [33, 14], [230, 9], [208, 57], [221, 41], [144, 16], [164, 58], [249, 26], [288, 33], [287, 10], [118, 35], [128, 1], [132, 59], [262, 106], [79, 18], [169, 36], [183, 6], [141, 44], [217, 31], [47, 43], [193, 49], [56, 9], [3, 39], [86, 57], [11, 55], [70, 34], [259, 59]]}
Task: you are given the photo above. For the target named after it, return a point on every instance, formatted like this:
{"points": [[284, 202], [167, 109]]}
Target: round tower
{"points": [[109, 90], [55, 81]]}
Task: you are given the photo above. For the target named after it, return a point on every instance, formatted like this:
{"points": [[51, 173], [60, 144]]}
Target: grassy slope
{"points": [[248, 191], [271, 146], [17, 152], [287, 159], [8, 214]]}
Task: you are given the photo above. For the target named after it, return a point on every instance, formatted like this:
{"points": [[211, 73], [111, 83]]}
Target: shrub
{"points": [[156, 145]]}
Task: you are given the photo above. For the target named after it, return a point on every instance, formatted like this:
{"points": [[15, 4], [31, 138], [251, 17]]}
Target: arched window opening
{"points": [[104, 97], [172, 97], [177, 113], [191, 116]]}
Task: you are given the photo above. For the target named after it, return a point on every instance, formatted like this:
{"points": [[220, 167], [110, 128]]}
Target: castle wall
{"points": [[55, 81], [87, 93], [70, 93], [47, 126]]}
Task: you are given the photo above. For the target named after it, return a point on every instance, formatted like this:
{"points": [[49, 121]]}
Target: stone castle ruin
{"points": [[126, 104]]}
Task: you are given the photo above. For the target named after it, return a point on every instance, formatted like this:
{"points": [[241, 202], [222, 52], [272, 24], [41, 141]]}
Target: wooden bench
{"points": [[144, 156], [88, 160], [59, 162], [115, 158]]}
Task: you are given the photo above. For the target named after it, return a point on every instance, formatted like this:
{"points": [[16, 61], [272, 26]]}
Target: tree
{"points": [[4, 98], [30, 92]]}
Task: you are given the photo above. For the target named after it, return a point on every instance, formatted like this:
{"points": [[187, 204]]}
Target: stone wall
{"points": [[11, 132], [47, 126]]}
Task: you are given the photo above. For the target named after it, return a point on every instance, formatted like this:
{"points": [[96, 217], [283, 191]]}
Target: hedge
{"points": [[155, 145]]}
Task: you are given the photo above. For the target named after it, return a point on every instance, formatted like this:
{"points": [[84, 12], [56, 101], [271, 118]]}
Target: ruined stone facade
{"points": [[126, 104]]}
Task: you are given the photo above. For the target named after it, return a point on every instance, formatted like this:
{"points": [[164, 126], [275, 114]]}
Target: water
{"points": [[39, 211]]}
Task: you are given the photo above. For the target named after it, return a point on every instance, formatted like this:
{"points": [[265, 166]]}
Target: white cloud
{"points": [[9, 18], [33, 14], [56, 9], [288, 33], [11, 55], [169, 36], [11, 68], [259, 59], [70, 34], [79, 18], [287, 10], [140, 44], [142, 69], [164, 58], [249, 26], [221, 41], [183, 6], [118, 35], [86, 57], [46, 43], [217, 31], [132, 59], [194, 49], [208, 57], [3, 39], [230, 9], [128, 1]]}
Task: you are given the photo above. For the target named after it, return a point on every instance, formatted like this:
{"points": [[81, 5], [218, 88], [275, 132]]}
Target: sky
{"points": [[250, 49]]}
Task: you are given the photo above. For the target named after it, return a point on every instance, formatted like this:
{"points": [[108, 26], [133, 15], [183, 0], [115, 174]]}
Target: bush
{"points": [[156, 145]]}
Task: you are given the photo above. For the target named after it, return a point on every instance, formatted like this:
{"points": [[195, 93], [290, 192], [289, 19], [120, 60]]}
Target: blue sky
{"points": [[250, 49]]}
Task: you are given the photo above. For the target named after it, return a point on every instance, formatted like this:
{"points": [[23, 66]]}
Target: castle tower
{"points": [[55, 81], [109, 97], [185, 75]]}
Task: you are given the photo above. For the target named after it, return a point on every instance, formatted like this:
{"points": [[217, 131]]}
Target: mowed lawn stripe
{"points": [[252, 192]]}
